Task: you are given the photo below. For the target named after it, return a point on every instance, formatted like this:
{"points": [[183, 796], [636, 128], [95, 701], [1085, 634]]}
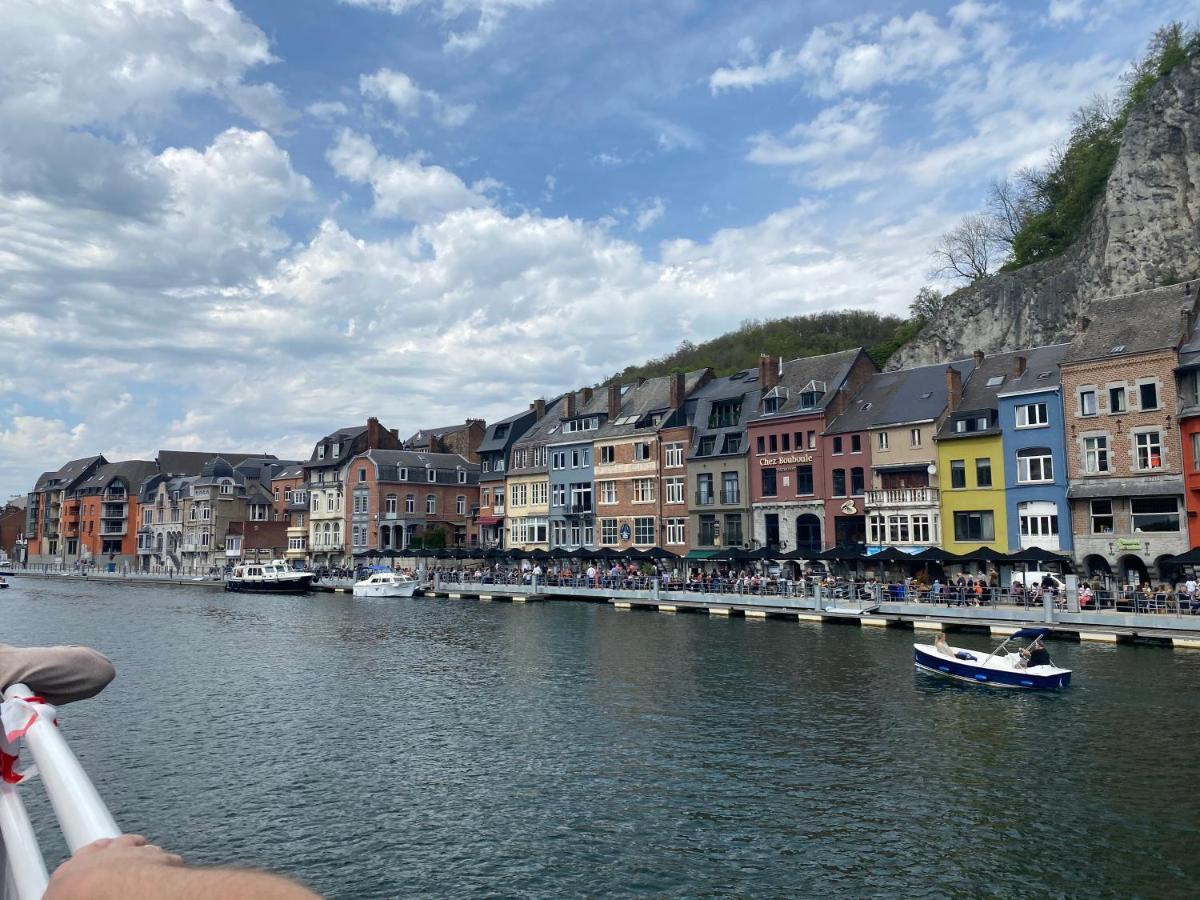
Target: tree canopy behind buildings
{"points": [[789, 338]]}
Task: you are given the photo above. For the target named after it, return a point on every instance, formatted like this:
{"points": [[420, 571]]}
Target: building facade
{"points": [[494, 453], [572, 470]]}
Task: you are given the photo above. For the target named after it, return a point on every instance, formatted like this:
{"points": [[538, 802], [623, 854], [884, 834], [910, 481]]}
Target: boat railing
{"points": [[81, 813]]}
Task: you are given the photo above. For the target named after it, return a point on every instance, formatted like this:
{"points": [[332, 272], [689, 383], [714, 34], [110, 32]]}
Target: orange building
{"points": [[103, 513]]}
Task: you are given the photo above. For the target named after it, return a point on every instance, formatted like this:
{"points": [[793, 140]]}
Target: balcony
{"points": [[107, 530], [731, 497], [498, 510], [706, 499], [901, 497], [114, 511]]}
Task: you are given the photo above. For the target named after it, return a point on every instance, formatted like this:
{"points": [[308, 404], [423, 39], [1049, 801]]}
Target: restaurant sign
{"points": [[785, 460], [1128, 544]]}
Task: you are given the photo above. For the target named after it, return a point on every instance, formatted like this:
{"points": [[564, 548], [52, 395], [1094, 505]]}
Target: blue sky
{"points": [[237, 225]]}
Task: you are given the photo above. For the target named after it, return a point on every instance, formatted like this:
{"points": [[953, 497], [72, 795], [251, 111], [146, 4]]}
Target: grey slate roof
{"points": [[1135, 323], [133, 471], [291, 470], [979, 395], [190, 462], [652, 395], [740, 385], [418, 459], [904, 395], [1042, 371], [491, 443], [831, 368]]}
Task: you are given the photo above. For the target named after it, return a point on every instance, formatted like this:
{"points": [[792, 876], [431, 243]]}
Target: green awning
{"points": [[701, 554]]}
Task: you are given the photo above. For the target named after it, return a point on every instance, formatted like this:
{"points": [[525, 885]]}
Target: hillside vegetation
{"points": [[788, 338]]}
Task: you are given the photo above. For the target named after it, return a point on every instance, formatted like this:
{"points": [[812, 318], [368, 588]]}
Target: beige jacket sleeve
{"points": [[57, 674]]}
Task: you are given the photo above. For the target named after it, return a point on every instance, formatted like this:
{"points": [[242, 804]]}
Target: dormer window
{"points": [[403, 475], [431, 474], [321, 452], [462, 476], [812, 394], [337, 448]]}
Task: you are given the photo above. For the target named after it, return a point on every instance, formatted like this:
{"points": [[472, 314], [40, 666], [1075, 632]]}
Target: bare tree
{"points": [[1011, 202], [968, 250]]}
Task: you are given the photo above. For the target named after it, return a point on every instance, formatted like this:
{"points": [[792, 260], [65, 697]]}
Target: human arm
{"points": [[128, 868], [57, 674]]}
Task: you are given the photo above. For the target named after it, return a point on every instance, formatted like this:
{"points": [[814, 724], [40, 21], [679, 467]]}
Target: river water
{"points": [[441, 748]]}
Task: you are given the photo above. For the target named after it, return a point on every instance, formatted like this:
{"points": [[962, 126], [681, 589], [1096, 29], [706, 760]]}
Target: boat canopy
{"points": [[1032, 633]]}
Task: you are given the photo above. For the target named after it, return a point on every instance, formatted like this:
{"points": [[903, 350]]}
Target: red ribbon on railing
{"points": [[18, 715]]}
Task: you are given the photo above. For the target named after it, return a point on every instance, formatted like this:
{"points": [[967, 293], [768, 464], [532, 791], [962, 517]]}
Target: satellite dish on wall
{"points": [[932, 470]]}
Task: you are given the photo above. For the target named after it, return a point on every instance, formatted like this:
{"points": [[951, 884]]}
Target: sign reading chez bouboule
{"points": [[785, 460]]}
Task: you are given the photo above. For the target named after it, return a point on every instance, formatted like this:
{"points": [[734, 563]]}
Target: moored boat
{"points": [[386, 584], [268, 578], [3, 582], [1030, 669]]}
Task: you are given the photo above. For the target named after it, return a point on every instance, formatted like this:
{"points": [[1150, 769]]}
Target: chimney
{"points": [[614, 401], [395, 433], [1084, 322], [570, 411], [1019, 363], [978, 354], [677, 390], [1185, 321], [768, 372], [373, 433], [587, 395], [539, 408], [953, 388]]}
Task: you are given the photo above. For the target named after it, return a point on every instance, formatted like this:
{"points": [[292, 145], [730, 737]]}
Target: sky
{"points": [[241, 225]]}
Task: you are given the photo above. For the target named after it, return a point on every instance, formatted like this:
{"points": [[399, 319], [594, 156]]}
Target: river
{"points": [[448, 748]]}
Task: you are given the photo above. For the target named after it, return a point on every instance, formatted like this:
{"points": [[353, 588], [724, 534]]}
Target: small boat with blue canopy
{"points": [[1028, 668]]}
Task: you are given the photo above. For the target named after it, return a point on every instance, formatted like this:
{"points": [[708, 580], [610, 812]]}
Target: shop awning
{"points": [[701, 554], [488, 520]]}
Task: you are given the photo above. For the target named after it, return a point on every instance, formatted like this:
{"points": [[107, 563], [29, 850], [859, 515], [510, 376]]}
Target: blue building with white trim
{"points": [[1035, 456]]}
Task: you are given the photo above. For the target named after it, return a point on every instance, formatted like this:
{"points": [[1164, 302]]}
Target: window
{"points": [[321, 452], [897, 530], [1148, 449], [337, 449], [410, 503], [431, 503], [1195, 454], [733, 443], [558, 495], [674, 456], [839, 482], [226, 487], [804, 480], [857, 482], [760, 444], [485, 464], [787, 441], [1035, 464], [1095, 455], [974, 526], [643, 490], [1038, 519], [329, 502], [958, 473], [704, 489], [607, 491], [1117, 400], [607, 454], [1152, 514], [431, 475], [837, 446], [914, 437], [773, 443], [558, 459], [674, 490], [983, 472], [708, 531], [768, 482], [462, 476], [708, 445], [643, 530], [733, 529], [1032, 415], [1101, 514], [1148, 395], [608, 531], [856, 443], [725, 413], [676, 531], [641, 451], [812, 440], [730, 492], [883, 440], [1087, 402], [538, 492], [460, 505], [362, 474], [390, 504], [402, 475], [921, 532]]}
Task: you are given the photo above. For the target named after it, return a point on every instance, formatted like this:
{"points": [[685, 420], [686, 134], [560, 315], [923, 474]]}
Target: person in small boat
{"points": [[1035, 655], [940, 645]]}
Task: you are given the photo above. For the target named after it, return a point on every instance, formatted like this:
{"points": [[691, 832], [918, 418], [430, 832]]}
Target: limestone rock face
{"points": [[1144, 232]]}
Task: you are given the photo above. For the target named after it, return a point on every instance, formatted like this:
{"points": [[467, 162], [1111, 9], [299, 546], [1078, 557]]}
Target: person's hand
{"points": [[92, 869]]}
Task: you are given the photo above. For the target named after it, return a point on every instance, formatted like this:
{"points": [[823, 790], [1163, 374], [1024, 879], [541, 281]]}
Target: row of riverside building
{"points": [[1090, 448]]}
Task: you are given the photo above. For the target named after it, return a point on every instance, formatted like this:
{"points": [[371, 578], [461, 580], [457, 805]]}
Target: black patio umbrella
{"points": [[582, 553], [1190, 558], [363, 554], [891, 554], [445, 554], [1039, 555], [560, 553], [771, 552], [514, 553], [472, 553], [839, 554], [492, 553], [985, 554], [660, 553], [539, 553], [936, 554], [389, 553], [635, 553]]}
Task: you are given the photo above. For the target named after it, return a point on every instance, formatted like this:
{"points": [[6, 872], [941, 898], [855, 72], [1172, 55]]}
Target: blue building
{"points": [[572, 469], [1035, 455]]}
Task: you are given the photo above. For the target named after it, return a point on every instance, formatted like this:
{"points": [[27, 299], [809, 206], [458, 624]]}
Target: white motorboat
{"points": [[386, 584], [268, 578]]}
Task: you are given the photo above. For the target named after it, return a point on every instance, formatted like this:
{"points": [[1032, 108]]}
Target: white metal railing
{"points": [[80, 811], [903, 497]]}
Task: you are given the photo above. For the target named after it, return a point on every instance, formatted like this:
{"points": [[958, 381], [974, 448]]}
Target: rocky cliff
{"points": [[1144, 232]]}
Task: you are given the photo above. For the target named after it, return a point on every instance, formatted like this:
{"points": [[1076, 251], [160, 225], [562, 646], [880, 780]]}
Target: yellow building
{"points": [[528, 511], [970, 454]]}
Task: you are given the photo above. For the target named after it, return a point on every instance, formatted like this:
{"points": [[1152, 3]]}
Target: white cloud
{"points": [[649, 215], [855, 56], [1062, 11], [407, 99], [831, 147], [326, 110], [489, 16], [403, 188], [263, 104]]}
